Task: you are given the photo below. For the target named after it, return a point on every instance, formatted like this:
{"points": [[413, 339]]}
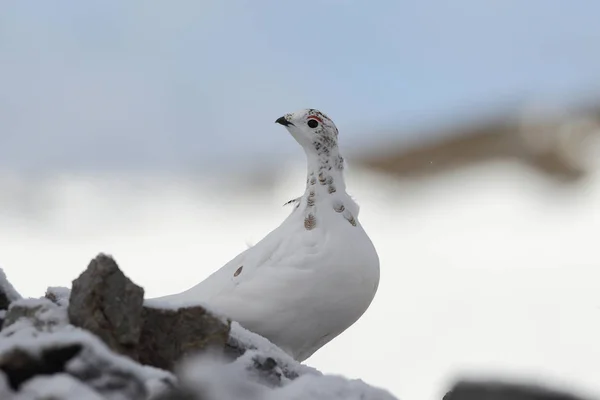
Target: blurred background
{"points": [[471, 130]]}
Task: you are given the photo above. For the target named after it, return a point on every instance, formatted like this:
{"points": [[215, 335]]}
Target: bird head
{"points": [[312, 129]]}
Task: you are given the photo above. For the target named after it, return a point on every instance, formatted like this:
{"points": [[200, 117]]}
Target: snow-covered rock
{"points": [[208, 378], [80, 344], [58, 295], [29, 317], [105, 302], [82, 356], [8, 294]]}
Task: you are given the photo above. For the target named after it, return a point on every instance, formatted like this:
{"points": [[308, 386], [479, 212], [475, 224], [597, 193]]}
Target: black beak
{"points": [[283, 121]]}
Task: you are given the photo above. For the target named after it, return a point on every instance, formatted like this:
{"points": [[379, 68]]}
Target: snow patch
{"points": [[57, 386], [36, 315], [265, 348], [59, 295], [217, 380]]}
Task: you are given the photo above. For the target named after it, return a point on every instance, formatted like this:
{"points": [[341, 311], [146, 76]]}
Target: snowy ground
{"points": [[486, 271]]}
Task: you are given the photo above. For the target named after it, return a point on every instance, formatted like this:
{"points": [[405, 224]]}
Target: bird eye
{"points": [[312, 123]]}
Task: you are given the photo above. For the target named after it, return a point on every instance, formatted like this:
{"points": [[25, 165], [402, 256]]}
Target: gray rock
{"points": [[81, 356], [169, 335], [18, 365], [178, 393], [4, 300], [106, 376], [105, 302], [8, 294], [497, 390]]}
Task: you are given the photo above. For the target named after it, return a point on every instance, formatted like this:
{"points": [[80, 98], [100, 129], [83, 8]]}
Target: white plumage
{"points": [[313, 276]]}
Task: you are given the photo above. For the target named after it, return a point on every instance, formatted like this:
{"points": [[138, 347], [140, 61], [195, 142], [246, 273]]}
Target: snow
{"points": [[31, 303], [5, 390], [167, 305], [267, 349], [221, 381], [58, 386], [59, 294], [7, 288], [41, 315], [329, 388]]}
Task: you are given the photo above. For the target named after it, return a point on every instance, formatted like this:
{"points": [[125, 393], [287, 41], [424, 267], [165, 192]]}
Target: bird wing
{"points": [[237, 271], [266, 290], [278, 276]]}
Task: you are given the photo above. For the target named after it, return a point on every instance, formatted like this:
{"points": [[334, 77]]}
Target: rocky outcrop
{"points": [[33, 316], [108, 304], [76, 356], [19, 365], [101, 339], [502, 390], [170, 335], [105, 302], [8, 294]]}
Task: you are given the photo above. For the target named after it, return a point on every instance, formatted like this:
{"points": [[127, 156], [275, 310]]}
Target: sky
{"points": [[100, 85]]}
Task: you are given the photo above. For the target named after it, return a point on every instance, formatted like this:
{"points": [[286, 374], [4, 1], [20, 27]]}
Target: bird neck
{"points": [[325, 174], [326, 189]]}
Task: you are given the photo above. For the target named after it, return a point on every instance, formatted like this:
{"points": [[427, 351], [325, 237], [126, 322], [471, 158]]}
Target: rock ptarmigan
{"points": [[312, 277]]}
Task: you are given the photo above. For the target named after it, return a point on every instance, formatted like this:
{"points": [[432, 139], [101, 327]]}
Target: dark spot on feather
{"points": [[310, 222]]}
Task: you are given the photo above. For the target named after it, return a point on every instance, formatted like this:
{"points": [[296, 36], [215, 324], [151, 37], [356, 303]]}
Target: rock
{"points": [[4, 300], [19, 365], [83, 357], [107, 376], [496, 390], [99, 355], [105, 302], [8, 294], [267, 370], [168, 335], [178, 393]]}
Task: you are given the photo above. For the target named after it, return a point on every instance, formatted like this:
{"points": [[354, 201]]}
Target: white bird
{"points": [[312, 277]]}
